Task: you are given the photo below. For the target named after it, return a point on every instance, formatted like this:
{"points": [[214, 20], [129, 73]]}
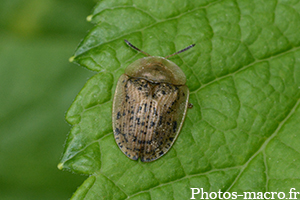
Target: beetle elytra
{"points": [[149, 107]]}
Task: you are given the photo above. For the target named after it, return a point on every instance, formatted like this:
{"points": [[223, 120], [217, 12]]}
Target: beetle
{"points": [[149, 106]]}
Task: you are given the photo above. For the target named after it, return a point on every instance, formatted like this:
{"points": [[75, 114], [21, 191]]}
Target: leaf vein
{"points": [[262, 147]]}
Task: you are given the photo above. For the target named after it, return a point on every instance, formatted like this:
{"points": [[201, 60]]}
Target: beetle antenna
{"points": [[187, 48], [131, 45]]}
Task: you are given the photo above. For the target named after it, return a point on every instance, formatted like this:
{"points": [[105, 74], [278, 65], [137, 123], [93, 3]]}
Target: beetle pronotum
{"points": [[149, 107]]}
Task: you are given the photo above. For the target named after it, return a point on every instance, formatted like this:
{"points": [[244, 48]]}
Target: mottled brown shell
{"points": [[149, 108]]}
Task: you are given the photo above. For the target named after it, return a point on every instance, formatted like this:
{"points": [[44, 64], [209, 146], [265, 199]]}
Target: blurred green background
{"points": [[38, 85]]}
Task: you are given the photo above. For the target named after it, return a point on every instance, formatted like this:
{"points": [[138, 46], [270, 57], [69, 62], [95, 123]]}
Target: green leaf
{"points": [[244, 76]]}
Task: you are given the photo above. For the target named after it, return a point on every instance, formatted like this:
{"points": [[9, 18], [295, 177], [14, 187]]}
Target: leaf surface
{"points": [[244, 76]]}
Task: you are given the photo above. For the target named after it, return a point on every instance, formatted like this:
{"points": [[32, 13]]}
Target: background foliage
{"points": [[243, 132], [37, 85]]}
